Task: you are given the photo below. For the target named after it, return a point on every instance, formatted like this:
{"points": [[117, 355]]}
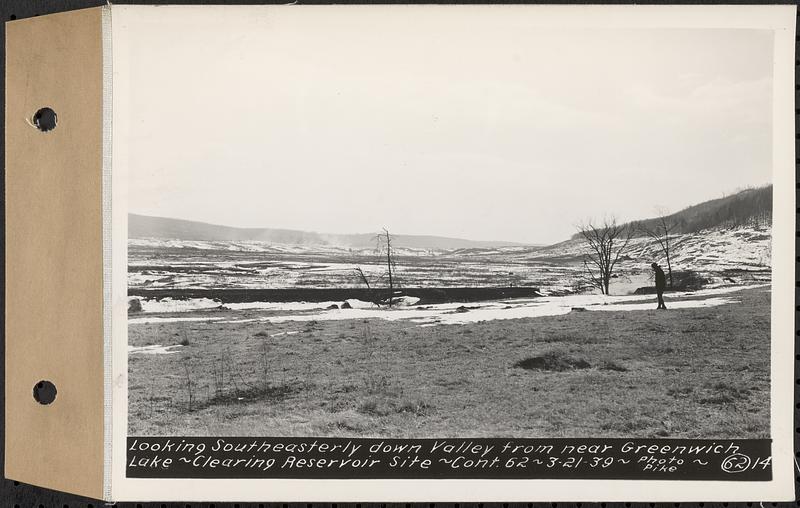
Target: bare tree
{"points": [[383, 246], [607, 244], [362, 276], [663, 232], [366, 281], [384, 241]]}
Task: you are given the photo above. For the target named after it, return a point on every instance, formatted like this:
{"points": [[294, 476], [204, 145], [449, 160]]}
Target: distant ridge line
{"points": [[145, 226]]}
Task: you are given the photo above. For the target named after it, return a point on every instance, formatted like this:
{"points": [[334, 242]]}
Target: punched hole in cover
{"points": [[45, 119], [44, 392]]}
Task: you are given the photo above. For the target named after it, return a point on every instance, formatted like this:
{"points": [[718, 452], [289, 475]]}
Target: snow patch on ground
{"points": [[405, 301], [360, 304], [462, 313], [168, 305], [156, 349], [147, 320], [686, 304]]}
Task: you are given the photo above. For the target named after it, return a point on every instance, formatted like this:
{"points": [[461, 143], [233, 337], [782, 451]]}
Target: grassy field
{"points": [[688, 373]]}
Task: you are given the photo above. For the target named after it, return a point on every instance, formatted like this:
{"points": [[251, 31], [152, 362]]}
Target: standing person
{"points": [[661, 283]]}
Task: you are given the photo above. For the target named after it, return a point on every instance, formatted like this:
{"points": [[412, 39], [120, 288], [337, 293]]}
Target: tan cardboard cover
{"points": [[54, 257]]}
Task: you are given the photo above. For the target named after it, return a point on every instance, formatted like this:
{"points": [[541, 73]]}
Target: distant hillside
{"points": [[750, 207], [142, 226], [745, 208]]}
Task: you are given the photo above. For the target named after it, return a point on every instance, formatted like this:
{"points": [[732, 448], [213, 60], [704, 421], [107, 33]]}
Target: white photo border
{"points": [[779, 19]]}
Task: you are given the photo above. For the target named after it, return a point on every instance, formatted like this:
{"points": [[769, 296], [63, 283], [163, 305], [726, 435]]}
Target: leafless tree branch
{"points": [[607, 244]]}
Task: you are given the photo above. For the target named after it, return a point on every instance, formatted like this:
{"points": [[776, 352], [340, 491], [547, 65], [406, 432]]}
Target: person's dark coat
{"points": [[661, 279]]}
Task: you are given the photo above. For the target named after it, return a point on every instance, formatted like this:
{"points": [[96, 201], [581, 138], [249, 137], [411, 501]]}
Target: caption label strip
{"points": [[641, 459]]}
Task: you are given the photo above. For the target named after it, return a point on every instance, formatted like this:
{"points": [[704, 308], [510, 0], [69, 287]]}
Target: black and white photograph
{"points": [[402, 253], [415, 248], [506, 248]]}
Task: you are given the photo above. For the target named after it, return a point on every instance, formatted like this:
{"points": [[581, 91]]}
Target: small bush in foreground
{"points": [[552, 361]]}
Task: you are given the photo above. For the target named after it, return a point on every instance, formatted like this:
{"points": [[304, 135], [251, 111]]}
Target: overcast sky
{"points": [[471, 129]]}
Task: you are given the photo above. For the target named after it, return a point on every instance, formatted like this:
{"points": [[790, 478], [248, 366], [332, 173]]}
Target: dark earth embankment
{"points": [[426, 295]]}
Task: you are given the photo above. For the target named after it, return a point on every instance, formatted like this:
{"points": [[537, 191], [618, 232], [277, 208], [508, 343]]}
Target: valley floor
{"points": [[698, 370]]}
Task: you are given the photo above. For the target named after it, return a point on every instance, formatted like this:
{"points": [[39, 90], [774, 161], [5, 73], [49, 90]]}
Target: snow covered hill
{"points": [[717, 256], [717, 249]]}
